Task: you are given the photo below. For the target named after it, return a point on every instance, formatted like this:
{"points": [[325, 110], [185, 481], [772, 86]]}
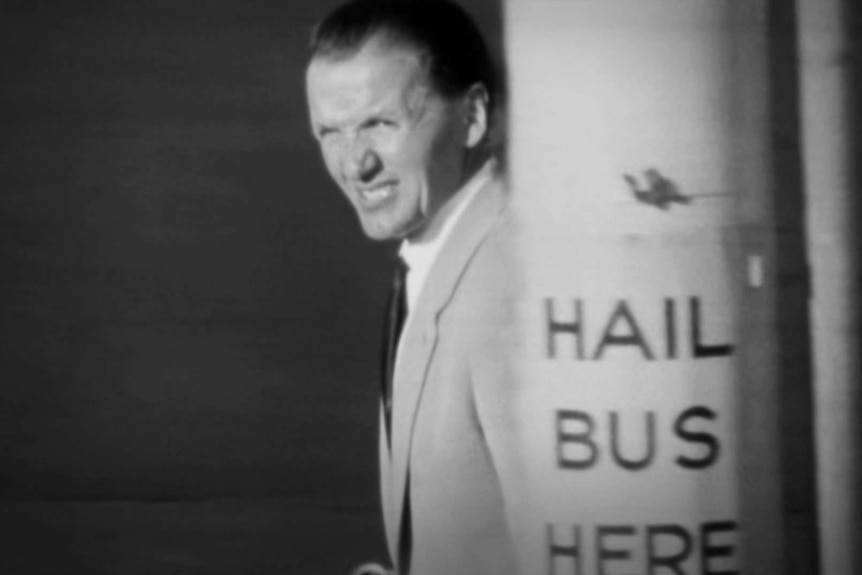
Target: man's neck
{"points": [[420, 254], [472, 166]]}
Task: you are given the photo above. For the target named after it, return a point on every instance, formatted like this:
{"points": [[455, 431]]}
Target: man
{"points": [[400, 96]]}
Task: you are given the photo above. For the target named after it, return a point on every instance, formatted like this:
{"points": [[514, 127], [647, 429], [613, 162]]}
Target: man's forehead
{"points": [[378, 56]]}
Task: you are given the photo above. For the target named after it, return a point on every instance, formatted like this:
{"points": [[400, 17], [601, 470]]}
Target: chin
{"points": [[382, 231], [380, 234], [380, 237]]}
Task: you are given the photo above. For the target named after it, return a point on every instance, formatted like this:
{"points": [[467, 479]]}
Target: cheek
{"points": [[332, 161], [409, 157], [447, 143]]}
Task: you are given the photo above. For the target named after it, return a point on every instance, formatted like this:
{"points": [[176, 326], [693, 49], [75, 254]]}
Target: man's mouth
{"points": [[374, 197]]}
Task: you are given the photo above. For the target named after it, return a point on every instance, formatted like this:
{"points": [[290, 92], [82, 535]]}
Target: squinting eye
{"points": [[378, 123], [330, 139]]}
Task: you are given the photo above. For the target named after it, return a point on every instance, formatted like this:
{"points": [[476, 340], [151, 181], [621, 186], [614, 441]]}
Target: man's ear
{"points": [[476, 114]]}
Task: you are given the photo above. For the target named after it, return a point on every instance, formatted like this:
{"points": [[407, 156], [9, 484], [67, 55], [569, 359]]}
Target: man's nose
{"points": [[364, 163]]}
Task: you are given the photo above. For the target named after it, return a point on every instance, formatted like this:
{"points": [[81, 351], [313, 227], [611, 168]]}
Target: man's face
{"points": [[393, 143]]}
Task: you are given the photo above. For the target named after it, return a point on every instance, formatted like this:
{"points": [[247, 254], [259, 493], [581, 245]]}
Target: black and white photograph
{"points": [[430, 287]]}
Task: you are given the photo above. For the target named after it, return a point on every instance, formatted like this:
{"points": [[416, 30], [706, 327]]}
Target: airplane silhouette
{"points": [[661, 192]]}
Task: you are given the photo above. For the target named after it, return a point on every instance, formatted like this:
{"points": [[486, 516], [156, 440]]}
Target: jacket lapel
{"points": [[420, 335]]}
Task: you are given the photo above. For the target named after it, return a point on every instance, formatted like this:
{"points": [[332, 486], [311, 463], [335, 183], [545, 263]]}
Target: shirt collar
{"points": [[420, 254]]}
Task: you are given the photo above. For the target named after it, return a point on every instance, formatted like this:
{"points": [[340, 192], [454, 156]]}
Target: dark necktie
{"points": [[396, 313]]}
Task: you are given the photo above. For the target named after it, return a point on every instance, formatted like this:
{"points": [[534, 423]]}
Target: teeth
{"points": [[377, 194]]}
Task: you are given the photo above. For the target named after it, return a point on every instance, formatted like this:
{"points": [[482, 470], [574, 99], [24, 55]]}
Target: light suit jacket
{"points": [[453, 396]]}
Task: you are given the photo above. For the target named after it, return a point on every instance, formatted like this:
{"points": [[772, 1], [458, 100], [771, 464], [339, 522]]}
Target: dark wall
{"points": [[189, 308]]}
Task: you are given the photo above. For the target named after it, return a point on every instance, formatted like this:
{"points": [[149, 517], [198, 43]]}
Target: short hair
{"points": [[457, 52]]}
